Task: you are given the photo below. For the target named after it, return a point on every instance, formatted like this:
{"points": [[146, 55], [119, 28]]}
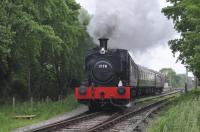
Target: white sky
{"points": [[155, 58]]}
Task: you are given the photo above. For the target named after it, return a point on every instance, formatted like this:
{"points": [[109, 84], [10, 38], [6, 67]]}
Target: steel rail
{"points": [[61, 124], [155, 97], [135, 125], [121, 118], [87, 124]]}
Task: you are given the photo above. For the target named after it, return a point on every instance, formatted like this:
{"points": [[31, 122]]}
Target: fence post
{"points": [[186, 79], [59, 98], [196, 82], [31, 102], [47, 99], [13, 104]]}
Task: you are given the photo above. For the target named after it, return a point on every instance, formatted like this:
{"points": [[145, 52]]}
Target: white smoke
{"points": [[130, 24]]}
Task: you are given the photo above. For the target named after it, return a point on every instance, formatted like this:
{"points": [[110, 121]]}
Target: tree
{"points": [[170, 74], [181, 79], [42, 47], [186, 17], [6, 36], [175, 80]]}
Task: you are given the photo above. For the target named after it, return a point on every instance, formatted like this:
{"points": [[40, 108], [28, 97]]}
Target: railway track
{"points": [[130, 121], [126, 120], [84, 125], [79, 123], [137, 101], [55, 126]]}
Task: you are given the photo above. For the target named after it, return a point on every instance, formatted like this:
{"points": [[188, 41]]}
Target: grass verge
{"points": [[42, 110], [183, 115]]}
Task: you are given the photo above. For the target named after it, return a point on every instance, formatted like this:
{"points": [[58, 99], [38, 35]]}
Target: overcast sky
{"points": [[155, 58]]}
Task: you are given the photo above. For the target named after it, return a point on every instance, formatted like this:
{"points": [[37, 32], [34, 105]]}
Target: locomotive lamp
{"points": [[82, 90], [102, 51], [103, 45], [120, 83], [121, 89]]}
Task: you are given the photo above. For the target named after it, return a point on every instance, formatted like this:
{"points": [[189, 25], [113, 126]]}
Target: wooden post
{"points": [[196, 82], [60, 98], [29, 83], [170, 79], [13, 104], [31, 102], [47, 99], [186, 83]]}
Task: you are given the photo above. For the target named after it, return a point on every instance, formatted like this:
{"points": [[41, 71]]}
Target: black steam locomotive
{"points": [[113, 78]]}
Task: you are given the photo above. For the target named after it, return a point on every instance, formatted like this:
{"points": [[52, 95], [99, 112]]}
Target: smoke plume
{"points": [[130, 24]]}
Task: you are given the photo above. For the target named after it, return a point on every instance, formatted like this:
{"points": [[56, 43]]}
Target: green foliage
{"points": [[186, 17], [43, 111], [174, 80], [180, 80], [84, 18], [181, 116], [42, 47]]}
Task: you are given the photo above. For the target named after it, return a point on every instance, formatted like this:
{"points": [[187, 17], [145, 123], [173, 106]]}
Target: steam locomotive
{"points": [[114, 79]]}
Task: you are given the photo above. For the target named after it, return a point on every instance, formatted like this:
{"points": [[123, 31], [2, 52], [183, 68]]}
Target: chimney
{"points": [[103, 43]]}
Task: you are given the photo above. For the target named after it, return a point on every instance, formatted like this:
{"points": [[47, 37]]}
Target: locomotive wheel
{"points": [[93, 108]]}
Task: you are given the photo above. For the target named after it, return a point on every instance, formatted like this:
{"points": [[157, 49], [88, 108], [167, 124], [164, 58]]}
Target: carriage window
{"points": [[141, 75], [145, 75], [148, 75]]}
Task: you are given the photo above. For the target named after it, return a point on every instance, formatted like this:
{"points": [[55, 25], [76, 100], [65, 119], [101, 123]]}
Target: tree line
{"points": [[175, 80], [42, 47], [186, 17]]}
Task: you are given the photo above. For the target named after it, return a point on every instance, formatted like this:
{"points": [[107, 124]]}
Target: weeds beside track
{"points": [[183, 115]]}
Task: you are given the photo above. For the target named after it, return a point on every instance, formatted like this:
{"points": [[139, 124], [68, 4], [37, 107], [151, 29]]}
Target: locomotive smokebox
{"points": [[103, 43]]}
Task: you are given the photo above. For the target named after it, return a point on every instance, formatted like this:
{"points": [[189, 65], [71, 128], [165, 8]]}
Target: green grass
{"points": [[181, 116], [42, 110]]}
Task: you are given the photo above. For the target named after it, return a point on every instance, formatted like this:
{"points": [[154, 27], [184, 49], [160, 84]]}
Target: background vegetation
{"points": [[181, 116], [41, 109], [186, 17], [176, 80], [42, 47]]}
